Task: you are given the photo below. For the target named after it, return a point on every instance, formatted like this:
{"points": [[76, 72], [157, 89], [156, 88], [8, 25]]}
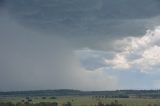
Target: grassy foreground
{"points": [[85, 100]]}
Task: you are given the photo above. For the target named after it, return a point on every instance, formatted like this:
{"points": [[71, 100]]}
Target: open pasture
{"points": [[84, 100]]}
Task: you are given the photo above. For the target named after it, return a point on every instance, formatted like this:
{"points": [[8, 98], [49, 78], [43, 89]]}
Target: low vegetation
{"points": [[77, 101], [81, 98]]}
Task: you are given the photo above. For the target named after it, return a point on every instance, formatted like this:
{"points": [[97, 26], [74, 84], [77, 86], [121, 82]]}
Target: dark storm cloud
{"points": [[85, 17], [129, 9], [2, 4], [86, 22]]}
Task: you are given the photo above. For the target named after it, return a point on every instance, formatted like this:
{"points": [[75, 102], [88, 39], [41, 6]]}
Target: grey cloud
{"points": [[86, 17], [86, 22], [127, 9], [92, 60], [2, 2]]}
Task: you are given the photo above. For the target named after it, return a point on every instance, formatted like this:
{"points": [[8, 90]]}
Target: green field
{"points": [[85, 100]]}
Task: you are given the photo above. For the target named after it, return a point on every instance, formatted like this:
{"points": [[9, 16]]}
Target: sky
{"points": [[79, 44]]}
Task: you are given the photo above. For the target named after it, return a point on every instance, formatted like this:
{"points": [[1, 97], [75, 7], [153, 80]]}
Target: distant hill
{"points": [[70, 92]]}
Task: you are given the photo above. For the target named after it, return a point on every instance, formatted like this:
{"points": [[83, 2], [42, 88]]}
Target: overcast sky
{"points": [[79, 44]]}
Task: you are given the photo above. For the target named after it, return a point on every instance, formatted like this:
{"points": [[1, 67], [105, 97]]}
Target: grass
{"points": [[85, 100]]}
